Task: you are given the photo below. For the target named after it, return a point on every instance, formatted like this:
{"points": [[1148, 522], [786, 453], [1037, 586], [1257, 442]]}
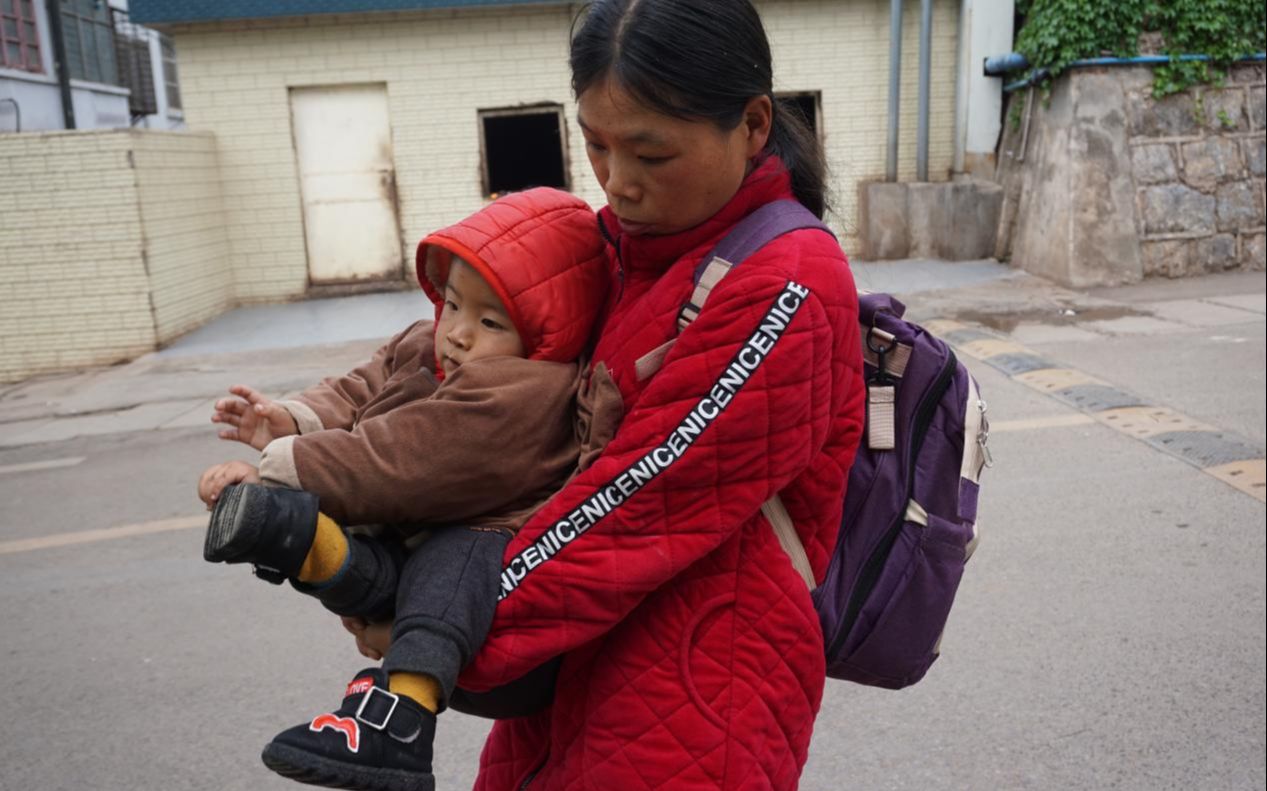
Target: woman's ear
{"points": [[758, 116]]}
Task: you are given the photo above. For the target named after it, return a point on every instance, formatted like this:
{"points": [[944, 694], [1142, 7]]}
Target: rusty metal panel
{"points": [[347, 177]]}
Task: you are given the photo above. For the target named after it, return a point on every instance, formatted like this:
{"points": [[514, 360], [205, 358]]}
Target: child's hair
{"points": [[696, 60]]}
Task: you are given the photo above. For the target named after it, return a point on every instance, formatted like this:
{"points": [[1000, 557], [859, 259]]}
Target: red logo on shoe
{"points": [[358, 686], [345, 725]]}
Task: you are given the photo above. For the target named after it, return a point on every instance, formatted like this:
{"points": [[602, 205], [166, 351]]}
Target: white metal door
{"points": [[347, 179]]}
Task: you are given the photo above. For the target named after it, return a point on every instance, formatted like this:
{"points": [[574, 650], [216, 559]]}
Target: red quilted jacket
{"points": [[693, 658]]}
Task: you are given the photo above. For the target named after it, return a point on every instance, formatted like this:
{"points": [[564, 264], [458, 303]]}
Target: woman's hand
{"points": [[253, 418], [216, 478], [372, 639]]}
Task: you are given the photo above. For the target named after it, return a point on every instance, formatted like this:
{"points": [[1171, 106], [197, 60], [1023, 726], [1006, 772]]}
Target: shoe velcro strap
{"points": [[377, 707], [380, 709]]}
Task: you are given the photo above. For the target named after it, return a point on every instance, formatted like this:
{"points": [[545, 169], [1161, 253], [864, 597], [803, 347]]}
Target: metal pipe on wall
{"points": [[895, 85], [962, 78], [925, 72], [54, 8], [1000, 65]]}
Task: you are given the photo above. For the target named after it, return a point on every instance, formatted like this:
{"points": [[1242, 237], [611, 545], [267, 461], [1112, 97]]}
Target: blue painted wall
{"points": [[149, 12]]}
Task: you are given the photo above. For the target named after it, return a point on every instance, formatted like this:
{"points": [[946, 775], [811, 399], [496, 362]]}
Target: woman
{"points": [[692, 657]]}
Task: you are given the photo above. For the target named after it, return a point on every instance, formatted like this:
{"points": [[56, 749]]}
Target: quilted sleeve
{"points": [[337, 399], [745, 400]]}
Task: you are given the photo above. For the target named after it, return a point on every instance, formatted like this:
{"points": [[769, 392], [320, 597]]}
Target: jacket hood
{"points": [[542, 254]]}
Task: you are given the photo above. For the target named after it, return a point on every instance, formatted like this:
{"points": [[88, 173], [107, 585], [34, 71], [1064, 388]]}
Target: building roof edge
{"points": [[168, 12]]}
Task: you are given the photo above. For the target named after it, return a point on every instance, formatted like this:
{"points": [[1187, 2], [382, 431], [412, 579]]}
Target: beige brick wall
{"points": [[440, 68], [74, 290], [183, 225], [841, 48], [107, 246]]}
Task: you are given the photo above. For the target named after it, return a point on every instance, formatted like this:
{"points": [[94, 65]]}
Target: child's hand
{"points": [[216, 478], [253, 418], [372, 639]]}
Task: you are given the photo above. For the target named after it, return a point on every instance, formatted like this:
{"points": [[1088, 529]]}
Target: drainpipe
{"points": [[962, 75], [925, 70], [54, 8], [895, 85], [999, 65]]}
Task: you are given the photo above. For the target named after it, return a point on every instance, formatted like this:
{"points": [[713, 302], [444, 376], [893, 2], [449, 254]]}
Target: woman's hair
{"points": [[696, 60]]}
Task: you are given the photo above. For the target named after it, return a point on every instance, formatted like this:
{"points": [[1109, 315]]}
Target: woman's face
{"points": [[664, 174]]}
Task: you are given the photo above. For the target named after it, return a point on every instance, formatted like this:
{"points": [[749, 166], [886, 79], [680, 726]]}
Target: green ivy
{"points": [[1058, 32]]}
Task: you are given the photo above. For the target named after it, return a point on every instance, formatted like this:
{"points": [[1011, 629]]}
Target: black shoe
{"points": [[377, 740], [270, 527]]}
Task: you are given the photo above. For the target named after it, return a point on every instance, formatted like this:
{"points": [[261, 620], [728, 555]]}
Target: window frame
{"points": [[70, 15], [22, 15], [171, 77]]}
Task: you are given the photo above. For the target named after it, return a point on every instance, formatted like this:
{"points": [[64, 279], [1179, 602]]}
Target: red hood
{"points": [[541, 252]]}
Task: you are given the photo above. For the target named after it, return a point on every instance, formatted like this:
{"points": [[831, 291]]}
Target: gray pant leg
{"points": [[445, 603], [366, 585]]}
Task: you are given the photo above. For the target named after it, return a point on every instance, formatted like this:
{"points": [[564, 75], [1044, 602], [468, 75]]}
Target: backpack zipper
{"points": [[870, 573]]}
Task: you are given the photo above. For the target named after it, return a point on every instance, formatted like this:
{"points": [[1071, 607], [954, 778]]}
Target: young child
{"points": [[467, 426]]}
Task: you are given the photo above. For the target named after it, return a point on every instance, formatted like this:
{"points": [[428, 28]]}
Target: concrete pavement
{"points": [[1107, 634], [283, 348]]}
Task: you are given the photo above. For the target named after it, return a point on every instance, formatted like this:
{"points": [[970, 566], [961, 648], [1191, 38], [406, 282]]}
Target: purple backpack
{"points": [[910, 512]]}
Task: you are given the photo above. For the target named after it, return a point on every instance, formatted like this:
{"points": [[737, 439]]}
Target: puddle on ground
{"points": [[1006, 321]]}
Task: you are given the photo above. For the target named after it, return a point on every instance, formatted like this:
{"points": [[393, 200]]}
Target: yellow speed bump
{"points": [[1049, 380], [1149, 421], [944, 326], [1249, 476], [990, 347]]}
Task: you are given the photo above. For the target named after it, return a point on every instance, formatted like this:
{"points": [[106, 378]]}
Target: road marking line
{"points": [[1051, 421], [104, 534], [51, 464]]}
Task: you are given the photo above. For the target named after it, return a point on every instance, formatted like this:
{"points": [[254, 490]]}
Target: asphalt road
{"points": [[1109, 632]]}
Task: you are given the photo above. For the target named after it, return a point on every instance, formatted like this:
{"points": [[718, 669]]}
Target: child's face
{"points": [[474, 323]]}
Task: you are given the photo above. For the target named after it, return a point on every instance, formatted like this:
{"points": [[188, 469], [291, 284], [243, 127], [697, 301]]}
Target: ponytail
{"points": [[696, 60], [792, 141]]}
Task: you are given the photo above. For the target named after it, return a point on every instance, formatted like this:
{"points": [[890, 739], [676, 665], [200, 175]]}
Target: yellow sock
{"points": [[421, 689], [329, 550]]}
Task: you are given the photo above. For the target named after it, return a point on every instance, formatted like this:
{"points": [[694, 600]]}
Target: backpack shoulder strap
{"points": [[747, 237], [776, 514]]}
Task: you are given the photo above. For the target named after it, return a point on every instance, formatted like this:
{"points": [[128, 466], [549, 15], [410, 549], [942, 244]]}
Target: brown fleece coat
{"points": [[386, 443]]}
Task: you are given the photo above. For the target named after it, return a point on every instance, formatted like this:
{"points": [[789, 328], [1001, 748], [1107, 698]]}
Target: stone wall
{"points": [[1199, 165], [1104, 184]]}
